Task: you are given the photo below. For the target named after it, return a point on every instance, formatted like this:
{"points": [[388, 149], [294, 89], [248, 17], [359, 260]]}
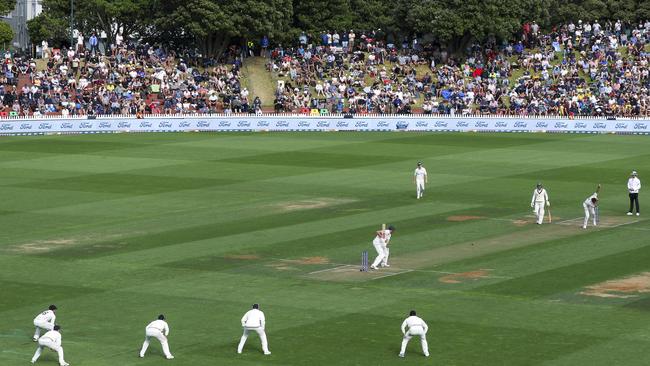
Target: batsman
{"points": [[381, 246], [539, 201]]}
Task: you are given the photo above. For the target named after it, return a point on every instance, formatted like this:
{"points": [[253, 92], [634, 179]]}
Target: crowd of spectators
{"points": [[129, 78], [575, 69], [583, 68]]}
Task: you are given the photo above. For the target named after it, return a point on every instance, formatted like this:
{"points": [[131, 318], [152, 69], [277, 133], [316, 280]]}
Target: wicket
{"points": [[597, 214], [364, 261]]}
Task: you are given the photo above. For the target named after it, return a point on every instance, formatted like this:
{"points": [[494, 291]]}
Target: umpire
{"points": [[633, 186]]}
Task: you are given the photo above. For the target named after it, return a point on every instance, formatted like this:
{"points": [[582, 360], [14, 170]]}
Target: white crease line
{"points": [[331, 269], [392, 274]]}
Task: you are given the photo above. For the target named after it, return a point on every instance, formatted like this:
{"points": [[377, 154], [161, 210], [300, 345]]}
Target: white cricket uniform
{"points": [[539, 200], [416, 327], [381, 246], [158, 329], [420, 175], [44, 320], [51, 340], [590, 209], [255, 321]]}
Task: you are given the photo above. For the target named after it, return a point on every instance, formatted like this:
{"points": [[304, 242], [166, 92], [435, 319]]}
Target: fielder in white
{"points": [[44, 320], [158, 329], [539, 201], [590, 207], [416, 327], [380, 243], [420, 179], [255, 321], [51, 340]]}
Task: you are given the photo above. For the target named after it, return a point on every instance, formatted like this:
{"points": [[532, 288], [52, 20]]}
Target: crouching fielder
{"points": [[44, 320], [380, 243], [416, 327], [255, 321], [540, 199], [158, 329], [51, 340], [590, 205]]}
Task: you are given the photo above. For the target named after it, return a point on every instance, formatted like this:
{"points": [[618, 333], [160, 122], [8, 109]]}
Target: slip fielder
{"points": [[158, 329], [416, 327], [51, 340], [44, 320], [254, 320], [539, 200]]}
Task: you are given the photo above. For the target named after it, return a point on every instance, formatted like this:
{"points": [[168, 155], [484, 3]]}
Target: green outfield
{"points": [[117, 228]]}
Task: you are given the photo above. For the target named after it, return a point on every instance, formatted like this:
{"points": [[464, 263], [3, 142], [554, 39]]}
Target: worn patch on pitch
{"points": [[461, 218], [43, 246], [308, 260], [622, 288], [314, 203], [465, 276]]}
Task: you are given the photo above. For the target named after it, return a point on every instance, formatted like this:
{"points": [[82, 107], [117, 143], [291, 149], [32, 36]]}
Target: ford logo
{"points": [[183, 124], [561, 125], [6, 127], [224, 123], [581, 125], [243, 124], [124, 125], [45, 126], [422, 124], [146, 125], [621, 126], [640, 126], [263, 124], [85, 125], [462, 124], [383, 124], [342, 124], [203, 124], [481, 124], [441, 124], [600, 125], [105, 125], [401, 125], [501, 124], [361, 124], [304, 124], [541, 125], [281, 124], [323, 124], [67, 125], [520, 124]]}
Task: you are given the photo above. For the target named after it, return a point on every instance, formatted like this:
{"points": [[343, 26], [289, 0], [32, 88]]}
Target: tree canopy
{"points": [[211, 25]]}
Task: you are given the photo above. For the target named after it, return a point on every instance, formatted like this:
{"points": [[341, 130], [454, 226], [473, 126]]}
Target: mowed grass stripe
{"points": [[574, 276], [255, 234]]}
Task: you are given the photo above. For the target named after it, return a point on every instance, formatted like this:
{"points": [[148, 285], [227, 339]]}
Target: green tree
{"points": [[46, 27], [7, 6], [6, 34], [316, 16], [458, 22], [131, 17], [214, 24]]}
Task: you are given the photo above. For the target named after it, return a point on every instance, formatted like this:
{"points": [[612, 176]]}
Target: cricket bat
{"points": [[383, 229], [550, 218]]}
